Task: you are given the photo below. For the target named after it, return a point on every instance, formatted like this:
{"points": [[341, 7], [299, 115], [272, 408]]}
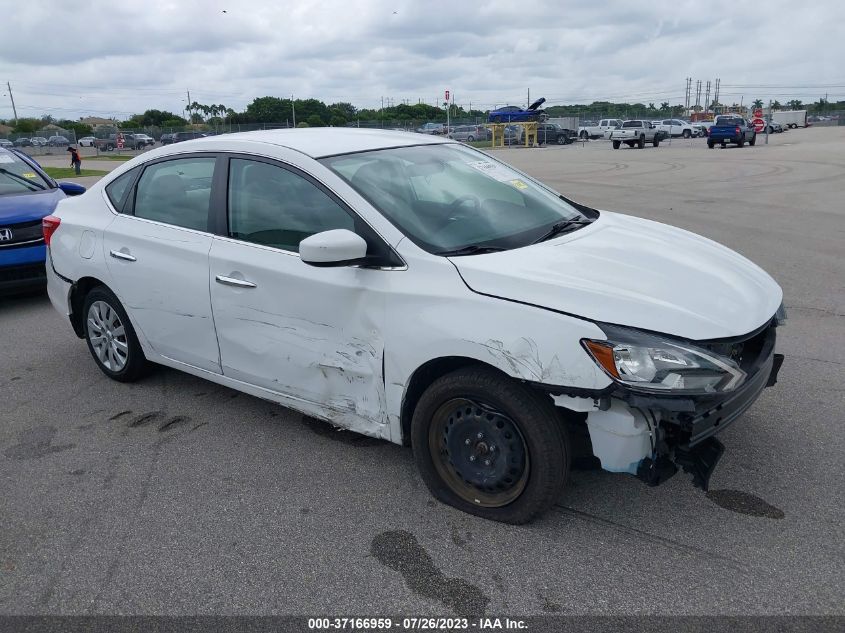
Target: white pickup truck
{"points": [[600, 130], [636, 133], [676, 128]]}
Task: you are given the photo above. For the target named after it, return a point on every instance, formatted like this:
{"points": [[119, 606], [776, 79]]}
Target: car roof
{"points": [[320, 142]]}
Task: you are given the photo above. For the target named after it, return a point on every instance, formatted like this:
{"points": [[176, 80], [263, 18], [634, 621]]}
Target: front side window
{"points": [[447, 197], [176, 192], [276, 207]]}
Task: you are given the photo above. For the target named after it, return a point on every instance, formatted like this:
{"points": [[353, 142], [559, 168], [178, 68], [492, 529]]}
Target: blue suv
{"points": [[27, 195]]}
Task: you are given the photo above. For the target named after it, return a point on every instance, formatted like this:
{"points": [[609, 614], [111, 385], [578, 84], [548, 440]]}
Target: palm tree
{"points": [[664, 107], [758, 103], [795, 104]]}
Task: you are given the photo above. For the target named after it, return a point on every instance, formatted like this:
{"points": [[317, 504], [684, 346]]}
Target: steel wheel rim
{"points": [[499, 472], [107, 336]]}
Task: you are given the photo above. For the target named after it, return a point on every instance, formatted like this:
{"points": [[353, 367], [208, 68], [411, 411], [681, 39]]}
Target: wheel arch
{"points": [[423, 377], [78, 291]]}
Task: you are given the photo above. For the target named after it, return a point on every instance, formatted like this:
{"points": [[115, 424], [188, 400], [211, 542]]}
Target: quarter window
{"points": [[176, 192], [116, 189], [274, 206]]}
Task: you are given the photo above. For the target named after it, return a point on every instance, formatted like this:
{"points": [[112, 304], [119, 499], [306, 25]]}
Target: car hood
{"points": [[633, 272], [27, 207]]}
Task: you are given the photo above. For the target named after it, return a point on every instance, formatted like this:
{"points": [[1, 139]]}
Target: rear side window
{"points": [[117, 188], [176, 192]]}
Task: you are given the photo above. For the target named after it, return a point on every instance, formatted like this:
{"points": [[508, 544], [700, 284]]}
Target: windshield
{"points": [[17, 176], [448, 197]]}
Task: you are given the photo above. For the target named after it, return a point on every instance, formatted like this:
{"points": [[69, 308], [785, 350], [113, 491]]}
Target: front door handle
{"points": [[121, 255], [231, 281]]}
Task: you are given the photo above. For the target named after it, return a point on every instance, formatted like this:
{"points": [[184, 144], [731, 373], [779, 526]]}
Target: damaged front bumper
{"points": [[652, 436]]}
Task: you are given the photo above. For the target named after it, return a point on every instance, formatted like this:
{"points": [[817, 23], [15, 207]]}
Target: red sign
{"points": [[120, 143], [758, 113], [759, 124], [447, 95]]}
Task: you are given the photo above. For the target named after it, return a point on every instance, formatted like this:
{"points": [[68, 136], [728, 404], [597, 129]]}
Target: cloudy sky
{"points": [[110, 58]]}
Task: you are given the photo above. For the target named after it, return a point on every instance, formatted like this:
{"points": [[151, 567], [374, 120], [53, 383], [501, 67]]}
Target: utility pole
{"points": [[529, 99], [188, 108], [687, 91], [14, 110], [768, 121], [697, 94], [716, 91], [707, 97], [293, 110]]}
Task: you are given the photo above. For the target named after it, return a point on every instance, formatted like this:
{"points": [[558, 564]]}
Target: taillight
{"points": [[49, 226], [737, 130]]}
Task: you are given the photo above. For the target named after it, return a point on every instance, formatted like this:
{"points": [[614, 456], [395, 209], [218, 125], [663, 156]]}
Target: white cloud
{"points": [[103, 57]]}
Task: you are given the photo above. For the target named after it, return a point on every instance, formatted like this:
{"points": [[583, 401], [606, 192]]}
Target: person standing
{"points": [[75, 159]]}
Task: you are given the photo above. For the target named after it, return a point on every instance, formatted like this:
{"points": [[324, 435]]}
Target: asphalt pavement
{"points": [[176, 496]]}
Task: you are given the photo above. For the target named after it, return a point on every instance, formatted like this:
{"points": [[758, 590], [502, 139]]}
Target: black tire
{"points": [[491, 401], [687, 134], [583, 135], [616, 144], [135, 363], [753, 141], [470, 138], [741, 141], [656, 142], [641, 142], [710, 144]]}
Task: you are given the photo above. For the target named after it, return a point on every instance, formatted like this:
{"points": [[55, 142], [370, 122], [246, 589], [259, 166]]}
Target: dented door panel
{"points": [[312, 334]]}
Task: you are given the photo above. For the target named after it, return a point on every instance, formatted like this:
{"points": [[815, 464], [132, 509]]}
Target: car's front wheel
{"points": [[617, 144], [111, 338], [687, 134], [489, 446]]}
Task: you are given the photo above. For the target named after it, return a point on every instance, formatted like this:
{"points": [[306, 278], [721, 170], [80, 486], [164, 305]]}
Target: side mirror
{"points": [[339, 247], [71, 188]]}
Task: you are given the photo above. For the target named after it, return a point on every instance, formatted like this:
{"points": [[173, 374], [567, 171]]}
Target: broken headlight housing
{"points": [[661, 364]]}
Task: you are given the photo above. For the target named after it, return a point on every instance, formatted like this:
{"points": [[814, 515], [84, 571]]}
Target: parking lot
{"points": [[175, 496]]}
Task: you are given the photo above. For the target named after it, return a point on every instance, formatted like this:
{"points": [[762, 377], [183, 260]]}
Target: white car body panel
{"points": [[166, 287], [634, 272], [312, 333], [342, 344]]}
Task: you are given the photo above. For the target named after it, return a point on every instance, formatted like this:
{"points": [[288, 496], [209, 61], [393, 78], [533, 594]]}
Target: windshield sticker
{"points": [[495, 171], [28, 174], [519, 184]]}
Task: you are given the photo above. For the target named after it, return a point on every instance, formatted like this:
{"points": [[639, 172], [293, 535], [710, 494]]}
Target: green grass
{"points": [[68, 172], [120, 157]]}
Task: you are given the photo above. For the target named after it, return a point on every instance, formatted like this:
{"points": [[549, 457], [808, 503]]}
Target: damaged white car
{"points": [[415, 289]]}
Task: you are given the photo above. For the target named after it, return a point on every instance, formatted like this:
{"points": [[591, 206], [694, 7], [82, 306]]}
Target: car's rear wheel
{"points": [[111, 338], [753, 141], [617, 144], [641, 142], [710, 144], [489, 446], [656, 141], [741, 141], [583, 135], [687, 134]]}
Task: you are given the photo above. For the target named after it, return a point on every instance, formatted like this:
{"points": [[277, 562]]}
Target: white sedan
{"points": [[414, 289], [86, 141]]}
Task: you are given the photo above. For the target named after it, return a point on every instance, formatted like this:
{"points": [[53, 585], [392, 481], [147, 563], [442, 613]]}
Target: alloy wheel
{"points": [[107, 335]]}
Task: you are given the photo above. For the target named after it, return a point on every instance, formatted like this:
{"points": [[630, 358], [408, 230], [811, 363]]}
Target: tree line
{"points": [[315, 113]]}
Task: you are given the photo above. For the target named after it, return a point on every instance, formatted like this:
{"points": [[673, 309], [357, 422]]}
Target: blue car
{"points": [[27, 195], [514, 114]]}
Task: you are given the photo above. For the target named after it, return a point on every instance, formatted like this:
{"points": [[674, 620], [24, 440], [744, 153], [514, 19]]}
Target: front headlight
{"points": [[650, 362]]}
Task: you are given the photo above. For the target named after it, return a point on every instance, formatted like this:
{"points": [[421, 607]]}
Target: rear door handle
{"points": [[121, 255], [232, 281]]}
